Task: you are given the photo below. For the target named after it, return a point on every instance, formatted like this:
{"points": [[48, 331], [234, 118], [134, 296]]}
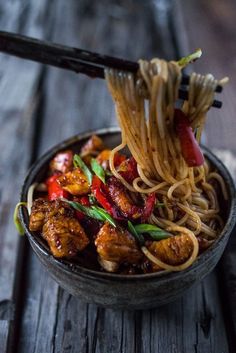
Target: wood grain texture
{"points": [[18, 100], [4, 334], [110, 29], [218, 18], [52, 320], [75, 104]]}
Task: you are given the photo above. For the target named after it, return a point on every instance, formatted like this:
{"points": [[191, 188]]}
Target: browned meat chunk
{"points": [[65, 235], [103, 158], [75, 182], [60, 228], [119, 195], [174, 250], [62, 162], [117, 245], [43, 209], [92, 146], [38, 213]]}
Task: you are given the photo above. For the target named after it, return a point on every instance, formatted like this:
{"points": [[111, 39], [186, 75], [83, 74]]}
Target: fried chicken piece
{"points": [[65, 235], [92, 146], [43, 209], [173, 251], [37, 216], [62, 162], [75, 182], [117, 245], [103, 158], [60, 228], [119, 195]]}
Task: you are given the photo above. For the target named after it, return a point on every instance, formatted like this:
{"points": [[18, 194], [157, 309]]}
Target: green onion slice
{"points": [[155, 232], [105, 215], [159, 204], [93, 212], [139, 237], [88, 211], [190, 58], [98, 170], [108, 173], [92, 199], [16, 219], [78, 162]]}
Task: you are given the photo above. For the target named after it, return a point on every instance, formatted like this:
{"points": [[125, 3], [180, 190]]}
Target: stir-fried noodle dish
{"points": [[155, 208]]}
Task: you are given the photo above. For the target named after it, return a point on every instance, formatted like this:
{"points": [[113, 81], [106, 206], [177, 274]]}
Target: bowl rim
{"points": [[77, 269]]}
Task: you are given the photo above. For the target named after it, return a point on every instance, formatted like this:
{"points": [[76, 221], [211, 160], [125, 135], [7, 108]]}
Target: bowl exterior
{"points": [[120, 291]]}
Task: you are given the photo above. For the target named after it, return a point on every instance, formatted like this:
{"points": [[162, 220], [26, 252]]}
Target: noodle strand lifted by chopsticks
{"points": [[145, 106]]}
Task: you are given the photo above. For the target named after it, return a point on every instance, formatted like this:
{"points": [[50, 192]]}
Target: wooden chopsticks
{"points": [[74, 59]]}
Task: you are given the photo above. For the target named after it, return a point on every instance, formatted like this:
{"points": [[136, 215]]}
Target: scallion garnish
{"points": [[154, 231], [98, 170], [108, 173], [159, 204], [189, 58], [93, 212], [92, 199], [139, 237], [16, 219], [105, 215], [78, 162], [88, 211]]}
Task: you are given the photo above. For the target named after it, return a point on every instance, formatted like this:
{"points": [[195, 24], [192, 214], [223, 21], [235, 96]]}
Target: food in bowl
{"points": [[85, 211], [152, 211], [82, 278]]}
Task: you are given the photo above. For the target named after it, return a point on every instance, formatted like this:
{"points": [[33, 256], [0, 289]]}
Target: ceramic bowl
{"points": [[122, 291]]}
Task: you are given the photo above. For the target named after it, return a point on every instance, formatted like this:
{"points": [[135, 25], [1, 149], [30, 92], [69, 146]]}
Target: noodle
{"points": [[30, 195], [152, 140]]}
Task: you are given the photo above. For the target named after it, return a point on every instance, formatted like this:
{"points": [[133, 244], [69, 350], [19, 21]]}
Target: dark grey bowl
{"points": [[120, 291]]}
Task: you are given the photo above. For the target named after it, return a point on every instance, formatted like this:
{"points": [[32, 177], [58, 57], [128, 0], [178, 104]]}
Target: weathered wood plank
{"points": [[87, 102], [4, 334], [227, 266], [218, 17], [52, 320], [73, 104], [18, 86], [228, 288]]}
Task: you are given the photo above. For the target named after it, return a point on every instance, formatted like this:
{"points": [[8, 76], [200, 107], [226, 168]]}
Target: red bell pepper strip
{"points": [[55, 191], [128, 169], [100, 191], [148, 207], [84, 200], [118, 159], [190, 149], [118, 193]]}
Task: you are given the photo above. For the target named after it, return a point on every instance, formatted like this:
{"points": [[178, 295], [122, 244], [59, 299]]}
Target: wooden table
{"points": [[40, 106]]}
